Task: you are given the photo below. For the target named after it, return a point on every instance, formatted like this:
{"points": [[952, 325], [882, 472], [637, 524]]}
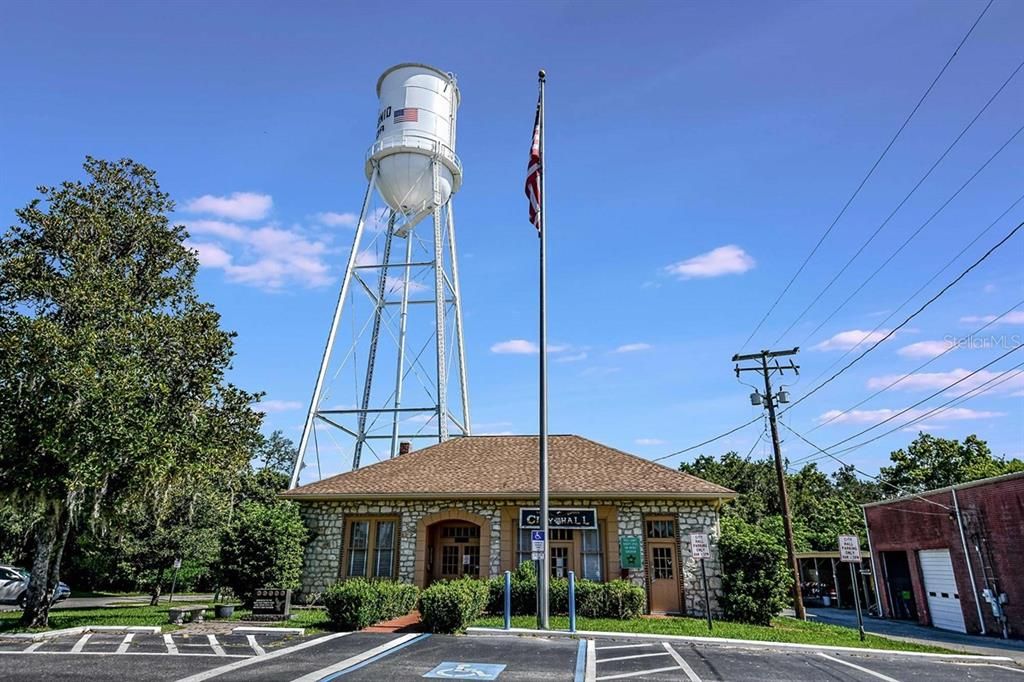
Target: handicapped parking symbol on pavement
{"points": [[455, 670]]}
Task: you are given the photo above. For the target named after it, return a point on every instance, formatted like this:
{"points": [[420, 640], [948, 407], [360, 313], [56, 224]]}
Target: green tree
{"points": [[755, 578], [262, 548], [108, 359], [930, 462]]}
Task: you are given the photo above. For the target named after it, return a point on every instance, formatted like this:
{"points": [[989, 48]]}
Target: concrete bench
{"points": [[176, 614]]}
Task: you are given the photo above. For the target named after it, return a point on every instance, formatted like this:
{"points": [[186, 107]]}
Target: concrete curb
{"points": [[264, 630], [82, 629], [746, 643]]}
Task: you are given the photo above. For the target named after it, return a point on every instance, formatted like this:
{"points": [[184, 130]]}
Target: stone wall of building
{"points": [[692, 516], [326, 522]]}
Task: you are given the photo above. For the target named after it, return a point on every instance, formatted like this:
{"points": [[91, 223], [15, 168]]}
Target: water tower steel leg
{"points": [[439, 316], [318, 388], [371, 357], [463, 383], [403, 319]]}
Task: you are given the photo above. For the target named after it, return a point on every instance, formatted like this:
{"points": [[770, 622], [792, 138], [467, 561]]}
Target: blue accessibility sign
{"points": [[457, 670], [537, 535]]}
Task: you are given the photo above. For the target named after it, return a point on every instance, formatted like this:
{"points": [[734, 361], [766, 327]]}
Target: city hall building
{"points": [[465, 507]]}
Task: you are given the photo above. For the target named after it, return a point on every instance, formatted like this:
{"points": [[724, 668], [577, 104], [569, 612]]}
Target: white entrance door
{"points": [[941, 590]]}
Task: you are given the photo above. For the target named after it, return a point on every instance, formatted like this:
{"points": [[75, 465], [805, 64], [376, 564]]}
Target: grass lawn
{"points": [[782, 630], [311, 619]]}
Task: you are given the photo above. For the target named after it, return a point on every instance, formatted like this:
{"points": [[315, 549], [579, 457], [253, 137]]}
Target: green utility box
{"points": [[631, 554]]}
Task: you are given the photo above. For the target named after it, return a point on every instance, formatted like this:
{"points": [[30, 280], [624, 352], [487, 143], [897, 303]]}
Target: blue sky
{"points": [[695, 154]]}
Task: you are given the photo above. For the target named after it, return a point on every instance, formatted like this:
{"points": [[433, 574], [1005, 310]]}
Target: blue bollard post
{"points": [[508, 600], [572, 602]]}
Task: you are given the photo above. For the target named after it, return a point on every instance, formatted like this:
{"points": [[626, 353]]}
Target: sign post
{"points": [[174, 580], [700, 548], [849, 553]]}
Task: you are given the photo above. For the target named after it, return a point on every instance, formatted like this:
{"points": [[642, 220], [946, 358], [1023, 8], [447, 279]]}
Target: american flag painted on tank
{"points": [[533, 171], [407, 115]]}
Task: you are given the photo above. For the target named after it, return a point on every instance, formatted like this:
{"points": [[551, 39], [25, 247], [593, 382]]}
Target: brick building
{"points": [[466, 507], [953, 557]]}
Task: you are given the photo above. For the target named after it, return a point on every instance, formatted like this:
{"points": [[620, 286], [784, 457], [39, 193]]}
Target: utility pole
{"points": [[770, 401]]}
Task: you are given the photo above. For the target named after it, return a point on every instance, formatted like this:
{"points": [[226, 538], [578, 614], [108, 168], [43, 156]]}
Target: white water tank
{"points": [[415, 123]]}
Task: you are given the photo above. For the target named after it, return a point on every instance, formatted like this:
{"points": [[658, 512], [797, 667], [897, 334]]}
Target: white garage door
{"points": [[940, 588]]}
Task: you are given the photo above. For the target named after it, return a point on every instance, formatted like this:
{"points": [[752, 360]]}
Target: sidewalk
{"points": [[921, 634]]}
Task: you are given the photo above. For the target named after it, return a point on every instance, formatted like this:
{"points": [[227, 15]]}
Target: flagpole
{"points": [[544, 573]]}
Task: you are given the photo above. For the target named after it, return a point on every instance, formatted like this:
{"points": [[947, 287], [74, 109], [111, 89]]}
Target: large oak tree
{"points": [[111, 368]]}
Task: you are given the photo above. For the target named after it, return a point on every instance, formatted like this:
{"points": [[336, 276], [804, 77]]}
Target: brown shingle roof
{"points": [[506, 466]]}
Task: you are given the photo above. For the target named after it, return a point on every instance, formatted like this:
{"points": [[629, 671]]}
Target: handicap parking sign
{"points": [[457, 670], [537, 535]]}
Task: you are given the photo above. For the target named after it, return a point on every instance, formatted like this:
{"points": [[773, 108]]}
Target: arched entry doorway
{"points": [[451, 544]]}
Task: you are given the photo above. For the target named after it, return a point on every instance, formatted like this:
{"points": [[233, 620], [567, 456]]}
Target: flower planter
{"points": [[224, 610]]}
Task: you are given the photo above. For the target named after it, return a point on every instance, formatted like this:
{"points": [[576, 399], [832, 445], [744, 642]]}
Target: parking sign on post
{"points": [[849, 552], [849, 548], [700, 548]]}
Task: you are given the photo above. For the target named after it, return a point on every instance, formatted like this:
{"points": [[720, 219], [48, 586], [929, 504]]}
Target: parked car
{"points": [[14, 587]]}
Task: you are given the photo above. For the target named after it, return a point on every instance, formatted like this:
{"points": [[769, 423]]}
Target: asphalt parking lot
{"points": [[364, 656]]}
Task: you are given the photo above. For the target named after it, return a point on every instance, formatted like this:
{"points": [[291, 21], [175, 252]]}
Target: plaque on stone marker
{"points": [[271, 604]]}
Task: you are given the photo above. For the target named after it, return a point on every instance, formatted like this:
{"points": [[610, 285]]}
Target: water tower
{"points": [[396, 336]]}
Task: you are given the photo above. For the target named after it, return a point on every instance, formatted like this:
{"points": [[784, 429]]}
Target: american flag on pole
{"points": [[533, 172], [407, 115]]}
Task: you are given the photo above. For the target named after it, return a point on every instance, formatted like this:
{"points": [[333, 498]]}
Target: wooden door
{"points": [[663, 566], [458, 552], [561, 559]]}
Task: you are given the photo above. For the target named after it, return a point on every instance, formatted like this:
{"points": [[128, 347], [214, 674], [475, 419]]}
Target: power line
{"points": [[869, 174], [914, 234], [905, 199], [948, 405], [859, 471], [921, 288], [903, 377], [910, 317], [972, 393], [924, 400], [709, 440]]}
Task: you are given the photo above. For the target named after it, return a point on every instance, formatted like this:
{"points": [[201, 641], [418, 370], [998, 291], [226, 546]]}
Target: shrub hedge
{"points": [[450, 606], [357, 603], [617, 599], [755, 580]]}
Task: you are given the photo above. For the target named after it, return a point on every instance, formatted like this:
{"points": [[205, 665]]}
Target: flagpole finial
{"points": [[542, 74]]}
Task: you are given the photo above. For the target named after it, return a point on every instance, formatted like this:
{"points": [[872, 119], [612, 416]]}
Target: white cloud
{"points": [[937, 380], [210, 255], [851, 339], [277, 405], [237, 206], [515, 347], [926, 349], [874, 416], [990, 288], [333, 219], [725, 260], [1012, 317], [576, 357], [632, 347], [524, 347], [649, 441], [267, 257]]}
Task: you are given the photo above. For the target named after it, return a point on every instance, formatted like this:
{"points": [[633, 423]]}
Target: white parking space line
{"points": [[626, 658], [690, 674], [80, 644], [32, 647], [987, 665], [125, 642], [172, 648], [858, 667], [622, 646], [215, 645], [638, 673], [252, 660], [260, 651], [590, 673], [357, 659]]}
